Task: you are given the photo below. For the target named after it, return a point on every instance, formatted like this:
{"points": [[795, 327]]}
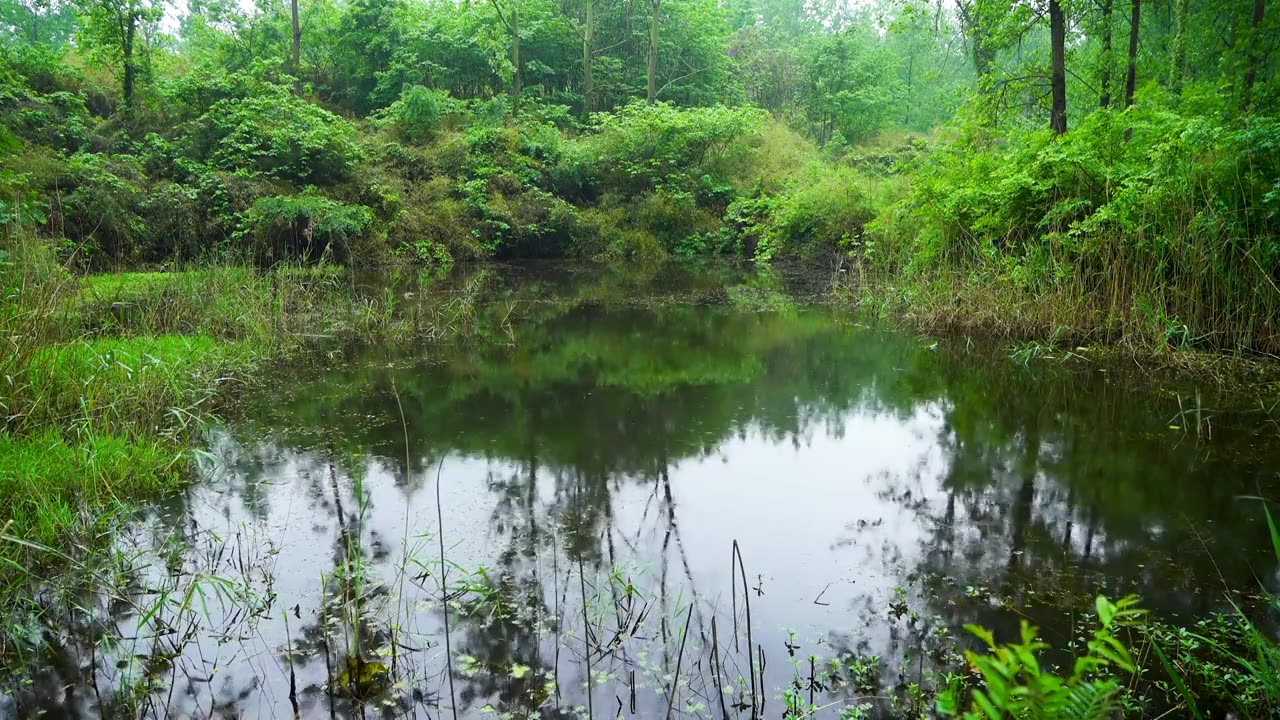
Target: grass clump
{"points": [[48, 482], [134, 385]]}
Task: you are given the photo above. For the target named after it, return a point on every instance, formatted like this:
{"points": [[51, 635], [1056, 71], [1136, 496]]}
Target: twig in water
{"points": [[675, 680], [811, 674], [555, 590], [444, 592], [717, 668], [293, 678], [763, 698], [746, 599], [324, 640], [816, 601], [404, 540], [586, 647]]}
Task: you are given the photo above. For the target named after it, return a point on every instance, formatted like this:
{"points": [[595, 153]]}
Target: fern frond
{"points": [[1093, 700]]}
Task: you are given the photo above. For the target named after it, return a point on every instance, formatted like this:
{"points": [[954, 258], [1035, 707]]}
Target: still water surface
{"points": [[613, 440]]}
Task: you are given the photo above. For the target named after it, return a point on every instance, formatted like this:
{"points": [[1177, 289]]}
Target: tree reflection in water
{"points": [[884, 491]]}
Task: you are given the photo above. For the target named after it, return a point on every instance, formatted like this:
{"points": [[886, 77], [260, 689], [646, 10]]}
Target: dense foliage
{"points": [[1118, 160]]}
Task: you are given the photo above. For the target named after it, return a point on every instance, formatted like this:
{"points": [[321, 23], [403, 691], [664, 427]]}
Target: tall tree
{"points": [[974, 27], [1131, 77], [586, 30], [1178, 50], [1058, 79], [588, 55], [295, 50], [651, 93], [36, 21], [118, 28], [1104, 98], [1253, 58], [512, 22]]}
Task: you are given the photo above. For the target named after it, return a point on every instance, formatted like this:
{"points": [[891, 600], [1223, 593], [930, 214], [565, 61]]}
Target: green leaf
{"points": [[1106, 610]]}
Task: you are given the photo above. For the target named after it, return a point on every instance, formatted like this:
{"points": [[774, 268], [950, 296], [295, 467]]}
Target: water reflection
{"points": [[884, 491]]}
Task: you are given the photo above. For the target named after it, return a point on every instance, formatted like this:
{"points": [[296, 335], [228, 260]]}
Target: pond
{"points": [[691, 477]]}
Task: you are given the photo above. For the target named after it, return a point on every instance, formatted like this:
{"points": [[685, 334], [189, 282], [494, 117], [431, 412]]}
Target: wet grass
{"points": [[1061, 323], [48, 482], [107, 381], [139, 386]]}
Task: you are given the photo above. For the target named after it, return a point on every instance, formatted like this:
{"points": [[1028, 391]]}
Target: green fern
{"points": [[1015, 686], [1094, 699]]}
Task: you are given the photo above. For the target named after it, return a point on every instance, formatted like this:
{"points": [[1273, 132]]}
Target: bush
{"points": [[644, 148], [824, 209], [101, 211], [172, 223], [193, 94], [224, 198], [1182, 222], [304, 227], [432, 223], [277, 135], [416, 117], [670, 217], [603, 233]]}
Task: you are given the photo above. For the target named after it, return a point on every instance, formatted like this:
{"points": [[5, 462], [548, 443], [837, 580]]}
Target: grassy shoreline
{"points": [[1057, 325], [119, 373], [108, 381]]}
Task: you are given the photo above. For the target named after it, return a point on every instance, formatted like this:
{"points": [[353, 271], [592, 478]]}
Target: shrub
{"points": [[416, 117], [224, 197], [670, 217], [194, 93], [304, 227], [1179, 222], [643, 148], [603, 233], [172, 223], [431, 217], [102, 208], [823, 209], [277, 135]]}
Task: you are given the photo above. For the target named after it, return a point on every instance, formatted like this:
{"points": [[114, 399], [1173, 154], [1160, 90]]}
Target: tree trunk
{"points": [[515, 58], [295, 52], [911, 71], [1058, 39], [651, 95], [971, 25], [1131, 79], [1251, 62], [130, 68], [1104, 100], [588, 33], [1178, 52]]}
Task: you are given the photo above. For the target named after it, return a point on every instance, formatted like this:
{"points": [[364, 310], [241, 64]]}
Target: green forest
{"points": [[1102, 167]]}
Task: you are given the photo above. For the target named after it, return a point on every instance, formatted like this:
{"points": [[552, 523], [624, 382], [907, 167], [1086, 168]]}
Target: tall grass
{"points": [[1168, 240], [106, 382]]}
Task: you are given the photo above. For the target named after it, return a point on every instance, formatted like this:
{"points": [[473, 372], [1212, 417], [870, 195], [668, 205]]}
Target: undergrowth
{"points": [[107, 382]]}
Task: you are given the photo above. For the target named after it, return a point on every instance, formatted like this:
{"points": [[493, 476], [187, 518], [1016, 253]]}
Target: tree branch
{"points": [[498, 10], [676, 80]]}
